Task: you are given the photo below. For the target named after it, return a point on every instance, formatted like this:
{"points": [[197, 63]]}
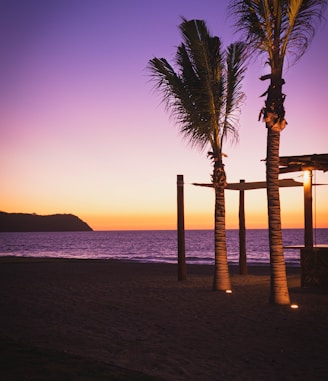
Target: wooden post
{"points": [[308, 219], [242, 233], [182, 274]]}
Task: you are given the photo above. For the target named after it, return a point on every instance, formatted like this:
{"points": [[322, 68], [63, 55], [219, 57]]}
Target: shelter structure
{"points": [[303, 163], [242, 186], [314, 259], [306, 164]]}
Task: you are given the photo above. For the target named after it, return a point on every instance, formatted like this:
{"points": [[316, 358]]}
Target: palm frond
{"points": [[250, 21], [180, 101], [303, 18], [235, 71], [286, 24], [204, 93]]}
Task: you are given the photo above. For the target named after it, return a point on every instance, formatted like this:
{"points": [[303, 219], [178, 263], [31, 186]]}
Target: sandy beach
{"points": [[136, 317]]}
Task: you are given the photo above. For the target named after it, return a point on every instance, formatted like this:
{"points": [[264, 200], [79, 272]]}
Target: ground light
{"points": [[228, 291], [294, 306]]}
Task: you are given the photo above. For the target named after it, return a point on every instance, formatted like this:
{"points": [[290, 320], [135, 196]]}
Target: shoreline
{"points": [[232, 265], [138, 317]]}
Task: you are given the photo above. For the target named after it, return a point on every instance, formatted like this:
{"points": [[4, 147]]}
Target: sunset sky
{"points": [[82, 130]]}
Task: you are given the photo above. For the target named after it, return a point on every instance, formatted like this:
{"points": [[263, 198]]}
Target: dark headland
{"points": [[22, 222]]}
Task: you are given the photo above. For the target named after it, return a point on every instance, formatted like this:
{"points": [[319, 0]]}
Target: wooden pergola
{"points": [[305, 163], [314, 259], [242, 186]]}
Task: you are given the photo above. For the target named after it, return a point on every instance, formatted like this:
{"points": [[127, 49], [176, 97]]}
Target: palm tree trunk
{"points": [[279, 288], [221, 270]]}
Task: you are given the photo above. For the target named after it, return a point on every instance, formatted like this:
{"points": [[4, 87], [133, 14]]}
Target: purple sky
{"points": [[83, 132]]}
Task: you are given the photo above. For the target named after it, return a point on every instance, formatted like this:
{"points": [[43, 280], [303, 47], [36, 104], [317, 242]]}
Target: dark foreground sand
{"points": [[87, 319]]}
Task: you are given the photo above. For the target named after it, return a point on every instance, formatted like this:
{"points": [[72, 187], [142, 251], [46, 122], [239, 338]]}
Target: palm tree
{"points": [[204, 96], [276, 28]]}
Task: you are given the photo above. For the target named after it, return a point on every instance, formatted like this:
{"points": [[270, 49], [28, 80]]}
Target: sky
{"points": [[83, 131]]}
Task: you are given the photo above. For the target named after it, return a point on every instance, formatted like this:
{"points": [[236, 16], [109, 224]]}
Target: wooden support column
{"points": [[182, 274], [308, 216], [242, 232]]}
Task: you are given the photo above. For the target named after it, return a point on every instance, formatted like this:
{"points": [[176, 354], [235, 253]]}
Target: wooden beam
{"points": [[182, 273], [308, 217], [283, 183], [242, 233]]}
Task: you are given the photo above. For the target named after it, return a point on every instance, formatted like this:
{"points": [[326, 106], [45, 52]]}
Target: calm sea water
{"points": [[149, 246]]}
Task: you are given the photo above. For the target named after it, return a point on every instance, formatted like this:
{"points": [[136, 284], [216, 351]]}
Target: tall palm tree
{"points": [[276, 28], [204, 96]]}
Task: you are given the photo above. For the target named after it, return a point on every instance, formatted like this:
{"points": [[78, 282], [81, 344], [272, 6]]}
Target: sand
{"points": [[137, 316]]}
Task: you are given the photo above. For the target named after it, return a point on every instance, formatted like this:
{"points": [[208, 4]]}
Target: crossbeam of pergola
{"points": [[242, 186]]}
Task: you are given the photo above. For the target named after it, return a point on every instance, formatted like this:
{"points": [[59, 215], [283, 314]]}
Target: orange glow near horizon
{"points": [[131, 222], [146, 214], [290, 220]]}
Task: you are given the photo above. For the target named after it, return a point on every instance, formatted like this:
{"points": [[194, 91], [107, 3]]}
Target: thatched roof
{"points": [[302, 163]]}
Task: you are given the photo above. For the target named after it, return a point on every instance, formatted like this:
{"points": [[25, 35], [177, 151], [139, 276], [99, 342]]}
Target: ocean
{"points": [[150, 246]]}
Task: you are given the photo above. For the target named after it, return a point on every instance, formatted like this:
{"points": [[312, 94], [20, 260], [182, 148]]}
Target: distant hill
{"points": [[21, 222]]}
